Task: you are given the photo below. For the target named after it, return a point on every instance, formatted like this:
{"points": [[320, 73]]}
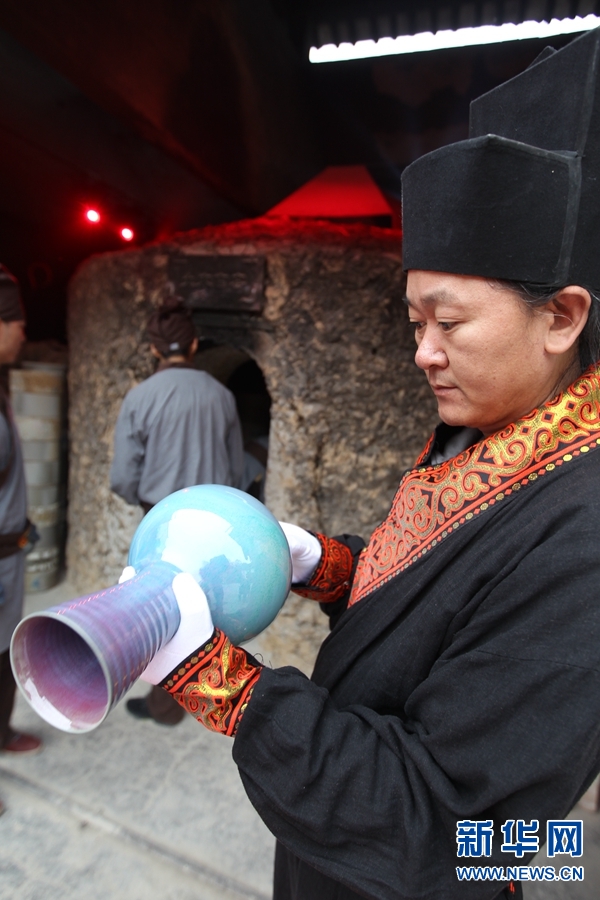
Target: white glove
{"points": [[195, 628], [305, 550], [127, 573]]}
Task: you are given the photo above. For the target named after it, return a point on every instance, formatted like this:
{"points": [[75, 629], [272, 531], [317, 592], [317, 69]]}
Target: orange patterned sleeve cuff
{"points": [[331, 579], [215, 684]]}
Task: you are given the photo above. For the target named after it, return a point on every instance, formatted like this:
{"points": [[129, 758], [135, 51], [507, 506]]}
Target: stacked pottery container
{"points": [[38, 399]]}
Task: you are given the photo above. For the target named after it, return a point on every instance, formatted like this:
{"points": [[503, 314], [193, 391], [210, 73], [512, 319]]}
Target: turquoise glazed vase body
{"points": [[75, 661]]}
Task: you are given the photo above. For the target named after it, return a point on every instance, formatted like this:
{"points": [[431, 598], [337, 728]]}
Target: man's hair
{"points": [[535, 296], [11, 305], [171, 328]]}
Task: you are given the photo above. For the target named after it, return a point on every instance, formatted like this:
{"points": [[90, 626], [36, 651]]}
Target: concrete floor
{"points": [[136, 811], [130, 811]]}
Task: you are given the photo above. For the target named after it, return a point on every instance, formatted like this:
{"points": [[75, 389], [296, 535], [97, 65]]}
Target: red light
{"points": [[127, 234], [92, 215]]}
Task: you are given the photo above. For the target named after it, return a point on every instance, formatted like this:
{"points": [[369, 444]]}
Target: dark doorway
{"points": [[248, 386], [244, 378]]}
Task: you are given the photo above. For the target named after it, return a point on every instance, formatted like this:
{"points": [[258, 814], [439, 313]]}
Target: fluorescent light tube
{"points": [[441, 40]]}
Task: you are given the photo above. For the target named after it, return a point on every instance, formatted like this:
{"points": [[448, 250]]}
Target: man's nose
{"points": [[430, 351]]}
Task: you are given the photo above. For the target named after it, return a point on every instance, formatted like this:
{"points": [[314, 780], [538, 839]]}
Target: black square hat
{"points": [[520, 199]]}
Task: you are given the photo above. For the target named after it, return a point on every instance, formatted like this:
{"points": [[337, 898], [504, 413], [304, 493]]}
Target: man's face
{"points": [[12, 338], [484, 355]]}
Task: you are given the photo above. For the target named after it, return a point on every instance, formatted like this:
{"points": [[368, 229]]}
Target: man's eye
{"points": [[416, 325], [446, 326]]}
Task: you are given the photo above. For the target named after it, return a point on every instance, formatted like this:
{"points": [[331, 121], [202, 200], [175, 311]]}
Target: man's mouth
{"points": [[441, 389]]}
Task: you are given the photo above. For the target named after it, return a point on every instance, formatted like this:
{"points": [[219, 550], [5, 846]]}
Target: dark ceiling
{"points": [[172, 114]]}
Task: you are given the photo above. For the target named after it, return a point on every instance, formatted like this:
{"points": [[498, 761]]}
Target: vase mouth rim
{"points": [[41, 703]]}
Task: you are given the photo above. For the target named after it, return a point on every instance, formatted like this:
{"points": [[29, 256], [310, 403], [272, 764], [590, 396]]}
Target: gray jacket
{"points": [[178, 428], [13, 516]]}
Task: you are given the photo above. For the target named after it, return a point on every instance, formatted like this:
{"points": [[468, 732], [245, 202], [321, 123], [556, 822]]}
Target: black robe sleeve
{"points": [[506, 724]]}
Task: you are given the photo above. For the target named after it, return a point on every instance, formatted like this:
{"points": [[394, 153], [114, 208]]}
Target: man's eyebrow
{"points": [[435, 296]]}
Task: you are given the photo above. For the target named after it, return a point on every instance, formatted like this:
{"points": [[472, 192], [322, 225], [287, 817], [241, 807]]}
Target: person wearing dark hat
{"points": [[178, 428], [13, 517], [453, 715]]}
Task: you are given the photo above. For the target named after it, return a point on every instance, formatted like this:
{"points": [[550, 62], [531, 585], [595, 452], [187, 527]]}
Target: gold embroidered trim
{"points": [[433, 501], [331, 579], [215, 684]]}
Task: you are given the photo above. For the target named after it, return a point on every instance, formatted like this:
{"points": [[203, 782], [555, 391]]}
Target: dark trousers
{"points": [[7, 696], [163, 708]]}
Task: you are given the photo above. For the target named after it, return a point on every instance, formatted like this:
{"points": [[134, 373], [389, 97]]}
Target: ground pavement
{"points": [[130, 811], [138, 811]]}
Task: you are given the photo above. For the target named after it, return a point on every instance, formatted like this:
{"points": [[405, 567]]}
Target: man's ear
{"points": [[193, 348], [155, 352], [569, 310]]}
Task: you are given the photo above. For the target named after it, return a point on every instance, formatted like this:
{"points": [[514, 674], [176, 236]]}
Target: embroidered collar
{"points": [[433, 501]]}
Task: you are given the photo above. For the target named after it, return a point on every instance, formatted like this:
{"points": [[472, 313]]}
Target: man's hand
{"points": [[195, 629], [305, 550]]}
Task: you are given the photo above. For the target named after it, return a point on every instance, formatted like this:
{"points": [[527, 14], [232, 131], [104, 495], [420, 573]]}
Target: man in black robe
{"points": [[458, 691]]}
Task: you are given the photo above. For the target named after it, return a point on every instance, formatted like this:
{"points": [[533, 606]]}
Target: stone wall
{"points": [[349, 413]]}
